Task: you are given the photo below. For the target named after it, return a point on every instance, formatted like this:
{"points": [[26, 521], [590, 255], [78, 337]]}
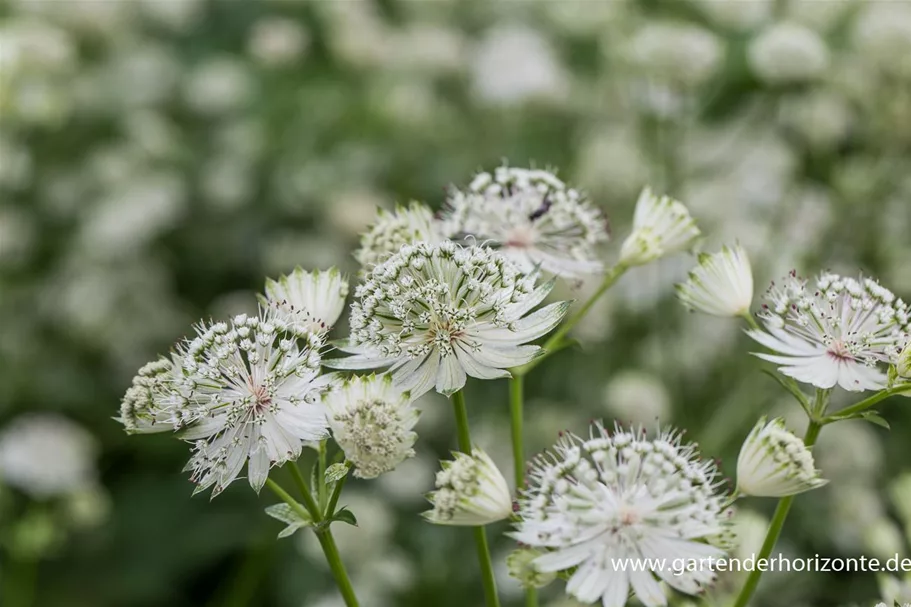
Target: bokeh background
{"points": [[160, 158]]}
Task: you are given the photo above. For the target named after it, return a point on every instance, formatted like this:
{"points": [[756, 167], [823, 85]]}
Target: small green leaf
{"points": [[345, 516], [336, 472], [874, 418], [287, 514]]}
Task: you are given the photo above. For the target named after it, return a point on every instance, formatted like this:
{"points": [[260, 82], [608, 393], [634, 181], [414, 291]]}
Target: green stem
{"points": [[775, 527], [304, 489], [321, 481], [751, 321], [555, 342], [480, 535], [336, 492], [866, 404], [19, 584], [326, 541], [516, 406]]}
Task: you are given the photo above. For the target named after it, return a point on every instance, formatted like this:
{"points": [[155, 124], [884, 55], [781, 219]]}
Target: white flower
{"points": [[46, 455], [677, 52], [520, 565], [532, 217], [834, 333], [436, 313], [391, 231], [721, 285], [775, 463], [372, 422], [903, 364], [592, 503], [788, 52], [313, 301], [156, 398], [276, 41], [661, 226], [254, 395], [470, 491]]}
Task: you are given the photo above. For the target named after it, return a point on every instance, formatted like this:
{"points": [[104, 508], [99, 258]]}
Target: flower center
{"points": [[521, 237], [839, 351], [261, 397]]}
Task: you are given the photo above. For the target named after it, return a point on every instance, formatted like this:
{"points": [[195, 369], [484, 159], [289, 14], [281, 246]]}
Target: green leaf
{"points": [[345, 516], [287, 514], [874, 418], [336, 472]]}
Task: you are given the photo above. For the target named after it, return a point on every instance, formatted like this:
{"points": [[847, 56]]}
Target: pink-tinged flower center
{"points": [[261, 397], [839, 351], [521, 237]]}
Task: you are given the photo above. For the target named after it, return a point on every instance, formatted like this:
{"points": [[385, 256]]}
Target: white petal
{"points": [[450, 376], [473, 368], [647, 589]]}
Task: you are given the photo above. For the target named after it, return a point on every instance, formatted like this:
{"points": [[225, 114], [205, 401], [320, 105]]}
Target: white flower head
{"points": [[436, 313], [622, 495], [775, 463], [661, 226], [903, 364], [391, 231], [372, 421], [788, 52], [255, 398], [313, 301], [470, 491], [46, 455], [721, 285], [533, 218], [837, 332], [156, 398]]}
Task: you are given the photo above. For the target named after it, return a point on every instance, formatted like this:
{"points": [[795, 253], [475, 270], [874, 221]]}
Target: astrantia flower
{"points": [[156, 398], [903, 364], [46, 455], [834, 333], [391, 231], [593, 503], [775, 463], [661, 226], [532, 217], [256, 397], [372, 421], [313, 301], [520, 564], [470, 491], [722, 283], [436, 313]]}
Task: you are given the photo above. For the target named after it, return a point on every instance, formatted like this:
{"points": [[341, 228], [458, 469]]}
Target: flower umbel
{"points": [[313, 301], [391, 231], [155, 400], [532, 217], [775, 463], [470, 491], [372, 422], [255, 397], [721, 285], [836, 333], [621, 495], [436, 313], [661, 226]]}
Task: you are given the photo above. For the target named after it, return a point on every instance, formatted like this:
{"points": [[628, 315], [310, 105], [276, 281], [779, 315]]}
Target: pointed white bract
{"points": [[313, 301], [839, 331], [903, 364], [391, 231], [721, 285], [593, 503], [532, 217], [470, 491], [775, 463], [435, 314], [372, 421], [255, 398], [661, 226]]}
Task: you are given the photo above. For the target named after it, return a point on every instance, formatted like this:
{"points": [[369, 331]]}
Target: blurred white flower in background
{"points": [[675, 52], [882, 35], [737, 14], [276, 41], [177, 14], [865, 458], [637, 397], [788, 52], [513, 64], [47, 455], [218, 85], [428, 48], [823, 118]]}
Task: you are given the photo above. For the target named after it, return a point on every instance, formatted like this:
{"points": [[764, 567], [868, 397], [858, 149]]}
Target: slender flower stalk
{"points": [[324, 535], [782, 510], [480, 535]]}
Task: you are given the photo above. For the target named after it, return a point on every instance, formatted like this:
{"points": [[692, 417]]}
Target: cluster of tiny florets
{"points": [[470, 490], [156, 399], [532, 216], [393, 230], [426, 296], [773, 462]]}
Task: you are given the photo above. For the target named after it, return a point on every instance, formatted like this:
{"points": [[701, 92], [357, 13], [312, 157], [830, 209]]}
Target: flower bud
{"points": [[775, 463], [470, 491]]}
